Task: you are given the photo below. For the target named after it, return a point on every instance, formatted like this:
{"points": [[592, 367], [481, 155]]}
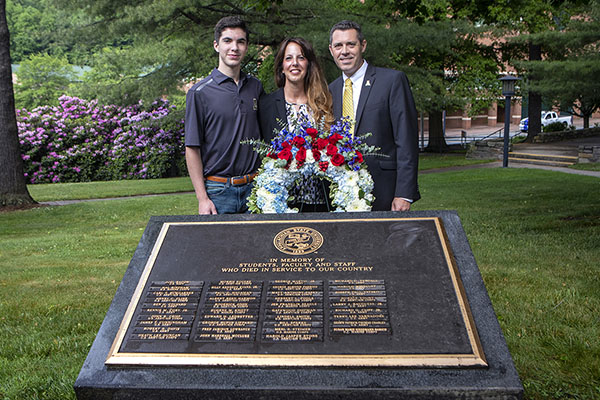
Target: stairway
{"points": [[551, 160], [556, 154]]}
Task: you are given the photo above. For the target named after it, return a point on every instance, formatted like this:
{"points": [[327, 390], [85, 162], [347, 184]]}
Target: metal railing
{"points": [[499, 132], [464, 139]]}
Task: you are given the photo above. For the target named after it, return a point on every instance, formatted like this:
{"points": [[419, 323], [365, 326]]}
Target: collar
{"points": [[358, 75], [220, 77]]}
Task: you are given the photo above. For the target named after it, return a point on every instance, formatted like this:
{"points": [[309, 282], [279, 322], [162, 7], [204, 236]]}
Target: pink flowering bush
{"points": [[81, 141]]}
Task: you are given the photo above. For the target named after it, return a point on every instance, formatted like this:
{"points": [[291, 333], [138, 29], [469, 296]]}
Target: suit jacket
{"points": [[386, 108], [271, 108]]}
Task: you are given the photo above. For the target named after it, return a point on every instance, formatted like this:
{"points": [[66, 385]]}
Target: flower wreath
{"points": [[336, 156]]}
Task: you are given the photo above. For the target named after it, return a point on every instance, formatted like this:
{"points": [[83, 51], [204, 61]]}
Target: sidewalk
{"points": [[480, 131], [454, 136]]}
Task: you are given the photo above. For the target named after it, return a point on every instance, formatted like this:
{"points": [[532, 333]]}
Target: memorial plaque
{"points": [[336, 305], [347, 292]]}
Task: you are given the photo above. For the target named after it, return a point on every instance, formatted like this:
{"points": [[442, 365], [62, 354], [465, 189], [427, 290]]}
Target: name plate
{"points": [[380, 292]]}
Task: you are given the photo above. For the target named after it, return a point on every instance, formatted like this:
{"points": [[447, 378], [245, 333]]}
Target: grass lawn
{"points": [[534, 234], [435, 161], [92, 190], [587, 167]]}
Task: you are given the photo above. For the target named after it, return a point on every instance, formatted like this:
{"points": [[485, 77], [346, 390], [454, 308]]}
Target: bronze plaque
{"points": [[333, 292]]}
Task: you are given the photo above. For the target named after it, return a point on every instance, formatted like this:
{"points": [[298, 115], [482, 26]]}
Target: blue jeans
{"points": [[228, 198]]}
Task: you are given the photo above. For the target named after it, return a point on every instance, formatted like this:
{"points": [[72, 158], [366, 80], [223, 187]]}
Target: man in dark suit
{"points": [[380, 101]]}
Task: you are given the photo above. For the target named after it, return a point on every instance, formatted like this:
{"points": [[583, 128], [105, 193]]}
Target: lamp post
{"points": [[508, 90]]}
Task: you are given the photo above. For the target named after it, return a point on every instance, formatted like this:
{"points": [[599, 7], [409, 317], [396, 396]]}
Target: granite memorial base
{"points": [[374, 305]]}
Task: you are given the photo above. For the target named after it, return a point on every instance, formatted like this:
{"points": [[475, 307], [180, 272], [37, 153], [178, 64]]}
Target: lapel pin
{"points": [[368, 83]]}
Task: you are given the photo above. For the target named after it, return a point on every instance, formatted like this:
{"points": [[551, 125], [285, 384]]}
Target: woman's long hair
{"points": [[315, 85]]}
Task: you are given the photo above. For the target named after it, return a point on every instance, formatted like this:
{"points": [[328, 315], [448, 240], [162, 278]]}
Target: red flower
{"points": [[312, 132], [272, 155], [321, 144], [316, 154], [299, 141], [331, 149], [301, 155], [286, 145], [285, 154], [336, 137], [323, 165], [359, 157], [337, 160]]}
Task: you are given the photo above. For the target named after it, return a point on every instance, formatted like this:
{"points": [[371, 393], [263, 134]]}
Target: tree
{"points": [[447, 63], [570, 76], [534, 17], [38, 27], [510, 19], [23, 23], [41, 80], [164, 43], [156, 45], [13, 190]]}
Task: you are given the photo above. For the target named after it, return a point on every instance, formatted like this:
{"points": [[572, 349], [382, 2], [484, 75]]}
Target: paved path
{"points": [[484, 130]]}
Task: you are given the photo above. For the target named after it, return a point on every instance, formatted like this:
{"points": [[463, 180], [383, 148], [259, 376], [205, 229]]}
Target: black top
{"points": [[272, 115], [218, 115], [275, 114]]}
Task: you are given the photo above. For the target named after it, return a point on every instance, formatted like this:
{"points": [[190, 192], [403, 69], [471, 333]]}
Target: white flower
{"points": [[265, 194], [352, 178], [359, 205]]}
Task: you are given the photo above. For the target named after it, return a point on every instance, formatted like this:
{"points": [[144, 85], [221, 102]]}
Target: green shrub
{"points": [[82, 141], [556, 127]]}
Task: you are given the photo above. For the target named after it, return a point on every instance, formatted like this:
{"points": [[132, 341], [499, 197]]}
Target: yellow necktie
{"points": [[348, 103]]}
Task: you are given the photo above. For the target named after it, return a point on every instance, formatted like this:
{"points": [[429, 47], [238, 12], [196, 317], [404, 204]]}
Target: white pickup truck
{"points": [[548, 117]]}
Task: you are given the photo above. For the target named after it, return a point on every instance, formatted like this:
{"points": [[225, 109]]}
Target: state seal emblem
{"points": [[298, 240]]}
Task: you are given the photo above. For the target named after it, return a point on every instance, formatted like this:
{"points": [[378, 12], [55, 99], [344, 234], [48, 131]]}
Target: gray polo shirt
{"points": [[218, 115]]}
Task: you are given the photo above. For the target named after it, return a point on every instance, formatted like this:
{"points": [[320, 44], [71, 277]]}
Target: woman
{"points": [[302, 94]]}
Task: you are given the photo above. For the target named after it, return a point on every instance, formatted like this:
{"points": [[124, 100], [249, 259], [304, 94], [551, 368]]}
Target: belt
{"points": [[234, 180]]}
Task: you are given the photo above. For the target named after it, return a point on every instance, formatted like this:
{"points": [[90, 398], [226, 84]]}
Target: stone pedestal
{"points": [[314, 306]]}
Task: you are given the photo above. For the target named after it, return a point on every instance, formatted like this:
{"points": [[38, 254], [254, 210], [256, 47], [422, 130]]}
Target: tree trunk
{"points": [[13, 190], [586, 121], [437, 142], [534, 105]]}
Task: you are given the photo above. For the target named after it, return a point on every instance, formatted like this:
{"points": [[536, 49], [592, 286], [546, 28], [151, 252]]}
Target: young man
{"points": [[221, 111], [380, 101]]}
